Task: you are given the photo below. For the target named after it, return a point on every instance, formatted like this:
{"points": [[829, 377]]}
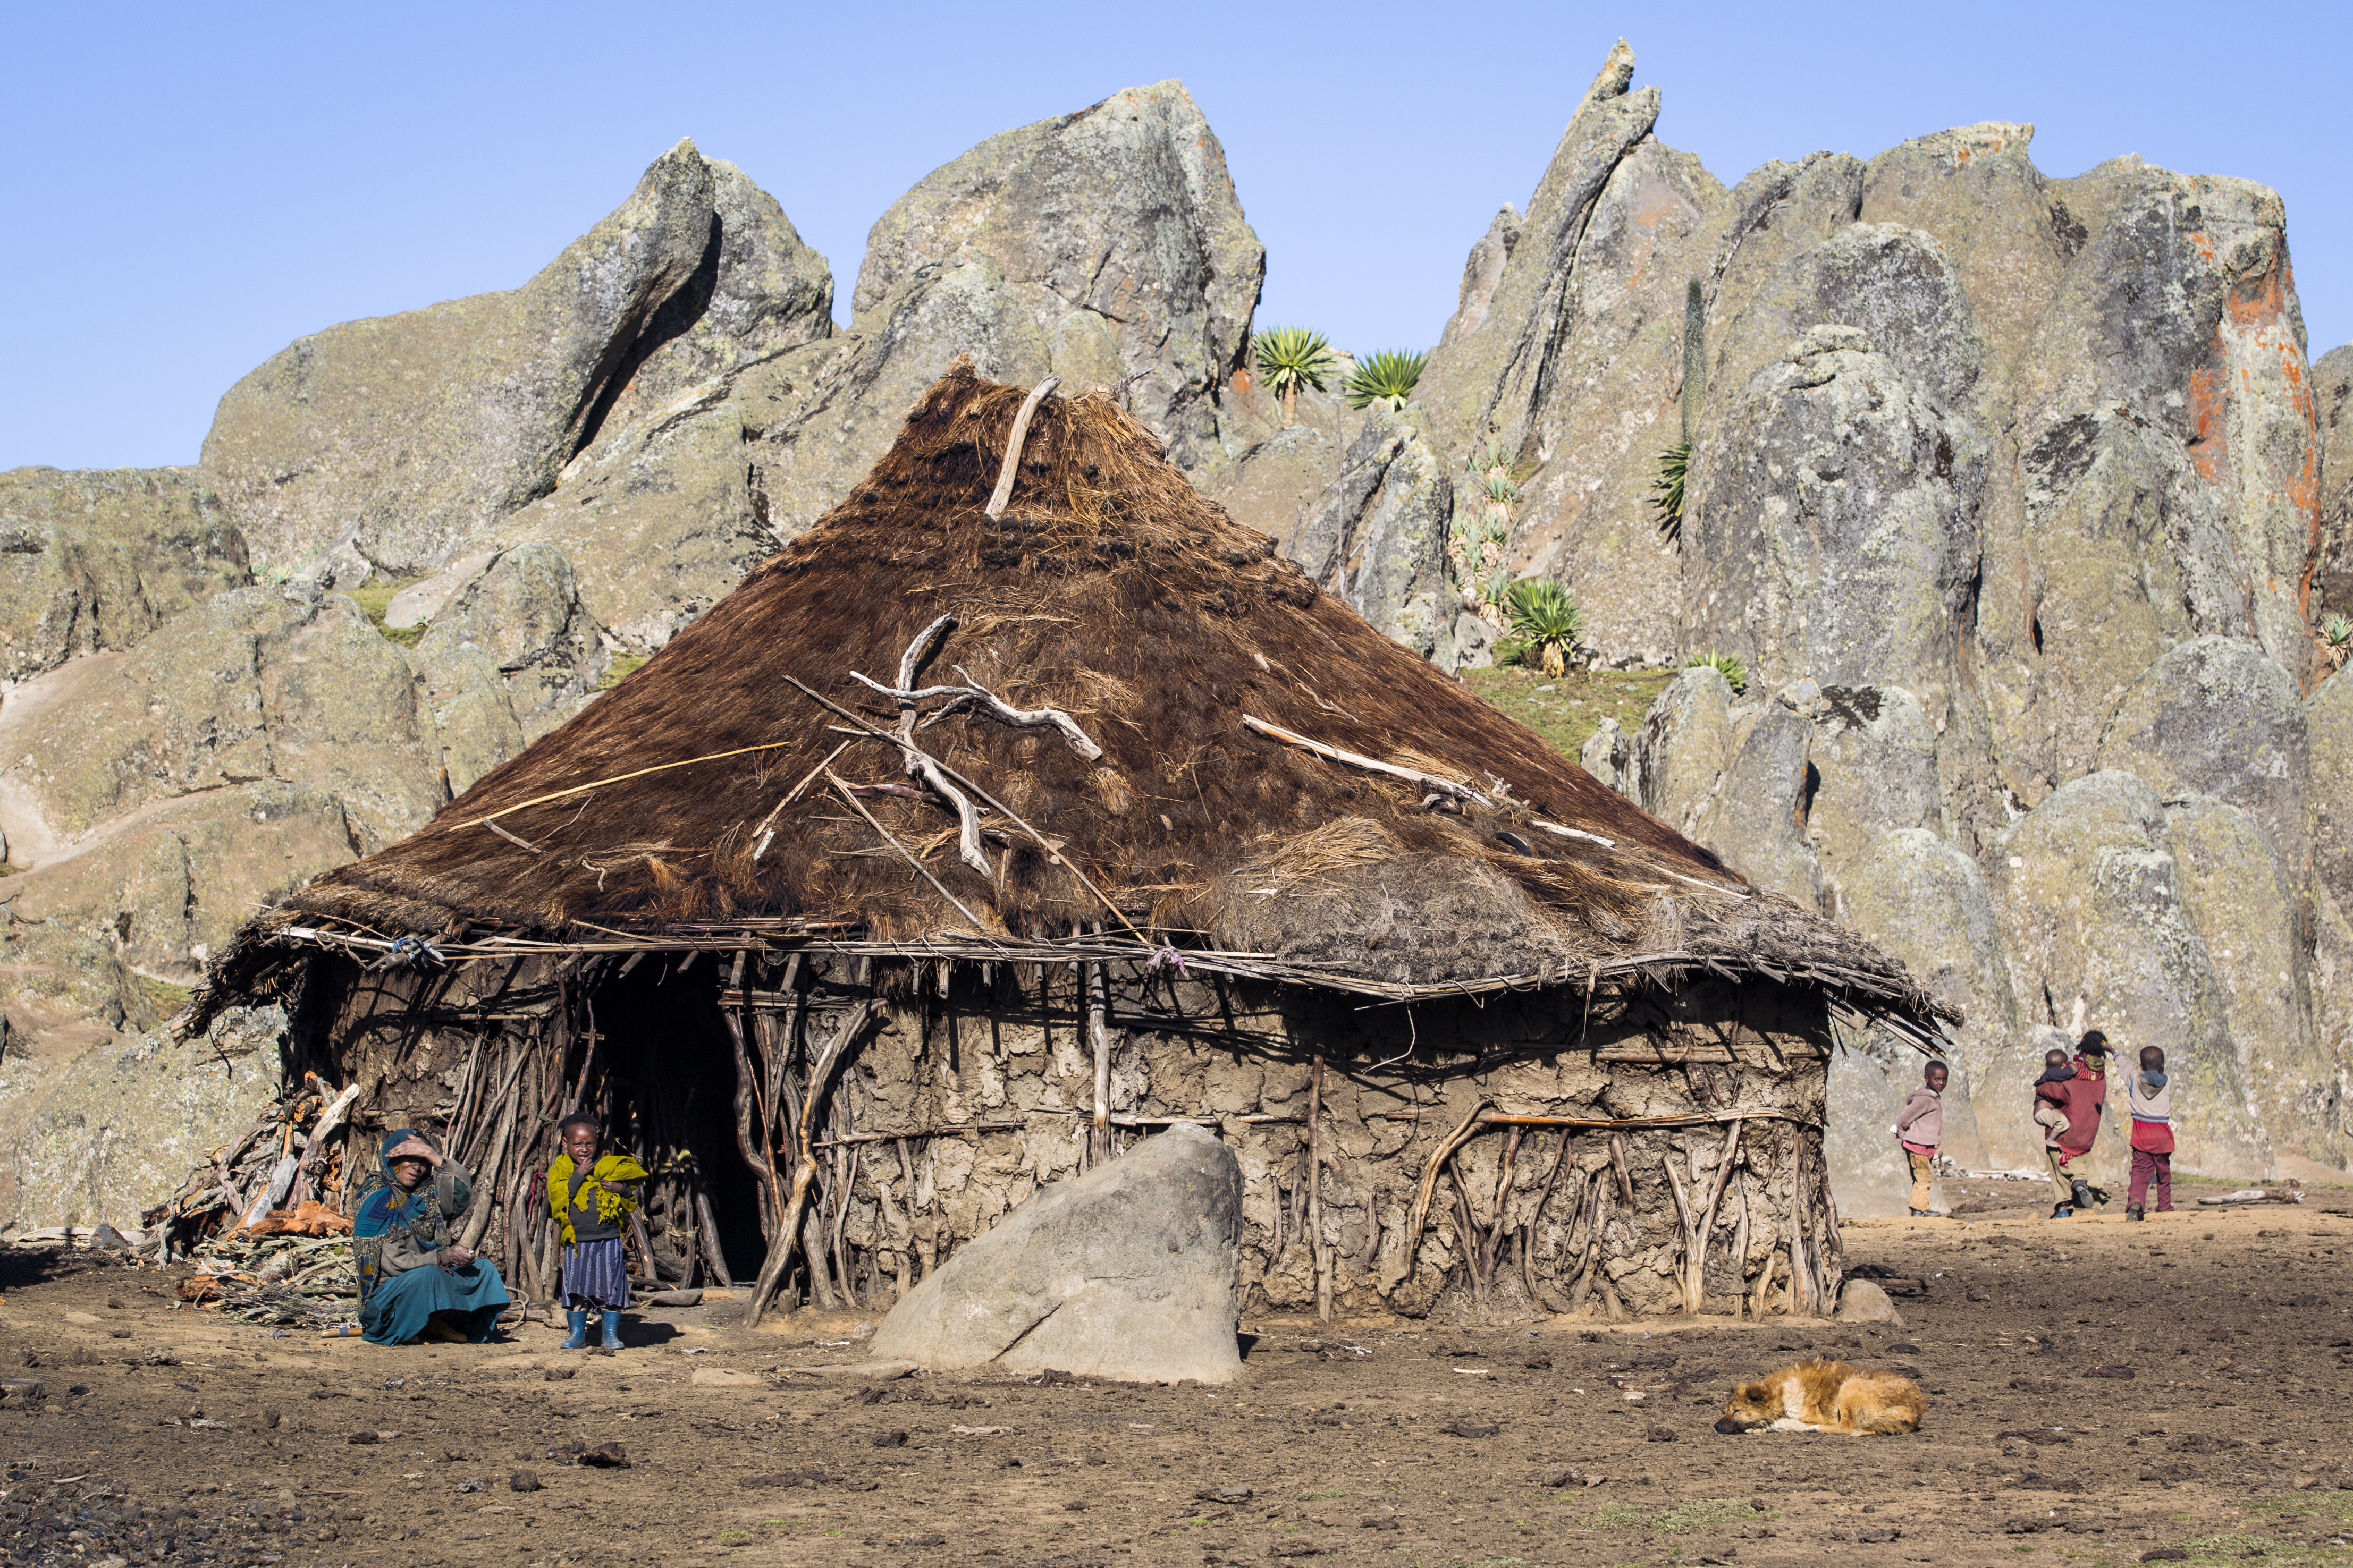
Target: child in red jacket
{"points": [[2074, 1094]]}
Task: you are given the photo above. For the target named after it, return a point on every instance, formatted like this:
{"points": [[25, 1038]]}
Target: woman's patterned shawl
{"points": [[380, 1207]]}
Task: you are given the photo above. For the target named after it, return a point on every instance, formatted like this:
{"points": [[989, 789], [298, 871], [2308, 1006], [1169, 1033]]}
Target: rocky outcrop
{"points": [[1376, 535], [97, 558], [1106, 246], [2090, 901], [404, 437], [1131, 1272], [124, 1126], [2036, 464]]}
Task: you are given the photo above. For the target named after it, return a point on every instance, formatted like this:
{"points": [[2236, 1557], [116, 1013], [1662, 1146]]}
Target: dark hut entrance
{"points": [[1026, 806]]}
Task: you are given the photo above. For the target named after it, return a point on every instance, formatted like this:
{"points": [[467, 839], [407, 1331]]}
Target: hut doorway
{"points": [[666, 1090]]}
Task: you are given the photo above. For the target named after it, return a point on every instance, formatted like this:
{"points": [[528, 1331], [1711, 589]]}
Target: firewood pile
{"points": [[285, 1280], [281, 1179]]}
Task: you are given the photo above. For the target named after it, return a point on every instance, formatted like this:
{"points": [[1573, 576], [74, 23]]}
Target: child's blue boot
{"points": [[612, 1329], [578, 1320]]}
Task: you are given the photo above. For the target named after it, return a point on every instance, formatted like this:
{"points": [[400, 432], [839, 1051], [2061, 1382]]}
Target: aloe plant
{"points": [[1674, 463], [2337, 630], [1667, 489], [1386, 378], [1292, 359], [1727, 665], [1541, 612]]}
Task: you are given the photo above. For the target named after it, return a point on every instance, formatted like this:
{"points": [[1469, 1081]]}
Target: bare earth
{"points": [[2099, 1393]]}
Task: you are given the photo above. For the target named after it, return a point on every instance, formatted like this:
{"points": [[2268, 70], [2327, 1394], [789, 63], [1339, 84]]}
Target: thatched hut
{"points": [[981, 832]]}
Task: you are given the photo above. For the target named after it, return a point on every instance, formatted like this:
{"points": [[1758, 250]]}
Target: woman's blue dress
{"points": [[395, 1234], [395, 1312]]}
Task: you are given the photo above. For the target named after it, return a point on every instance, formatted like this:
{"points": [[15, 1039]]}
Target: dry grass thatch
{"points": [[1112, 589]]}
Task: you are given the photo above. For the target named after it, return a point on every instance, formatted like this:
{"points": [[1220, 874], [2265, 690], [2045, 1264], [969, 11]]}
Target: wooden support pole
{"points": [[1625, 1172], [711, 1250], [1099, 1037], [853, 1024], [1316, 1192]]}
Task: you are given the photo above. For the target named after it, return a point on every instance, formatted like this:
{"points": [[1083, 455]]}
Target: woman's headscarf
{"points": [[380, 1205]]}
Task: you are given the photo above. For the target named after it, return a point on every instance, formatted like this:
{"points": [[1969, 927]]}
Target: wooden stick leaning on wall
{"points": [[1695, 1261], [1315, 1193], [853, 1024], [1094, 977]]}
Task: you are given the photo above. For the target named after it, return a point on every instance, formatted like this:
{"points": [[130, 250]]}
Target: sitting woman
{"points": [[415, 1281]]}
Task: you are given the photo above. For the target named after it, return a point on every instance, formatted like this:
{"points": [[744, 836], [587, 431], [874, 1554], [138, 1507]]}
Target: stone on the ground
{"points": [[1861, 1301], [1129, 1272]]}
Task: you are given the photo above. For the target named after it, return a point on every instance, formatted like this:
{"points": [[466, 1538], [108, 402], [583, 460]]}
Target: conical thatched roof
{"points": [[1175, 639]]}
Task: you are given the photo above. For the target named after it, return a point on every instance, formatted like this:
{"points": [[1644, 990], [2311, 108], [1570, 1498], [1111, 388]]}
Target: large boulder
{"points": [[2215, 717], [1376, 535], [95, 559], [1130, 1273], [2242, 902], [2090, 899], [401, 438], [1106, 247]]}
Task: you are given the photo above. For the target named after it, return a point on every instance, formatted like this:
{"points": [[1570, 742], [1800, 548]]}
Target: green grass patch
{"points": [[1565, 709], [1704, 1513], [162, 998], [624, 666], [374, 597], [1321, 1497], [1675, 1519], [2231, 1545]]}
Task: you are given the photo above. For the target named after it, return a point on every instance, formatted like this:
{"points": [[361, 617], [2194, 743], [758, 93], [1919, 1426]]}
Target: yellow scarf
{"points": [[609, 1173]]}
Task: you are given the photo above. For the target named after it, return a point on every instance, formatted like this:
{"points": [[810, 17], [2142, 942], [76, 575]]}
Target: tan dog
{"points": [[1825, 1396]]}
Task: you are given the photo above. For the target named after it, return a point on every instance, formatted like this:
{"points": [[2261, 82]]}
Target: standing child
{"points": [[2150, 1095], [590, 1196], [1919, 1126], [2069, 1097]]}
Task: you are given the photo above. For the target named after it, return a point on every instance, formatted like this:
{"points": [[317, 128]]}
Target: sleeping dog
{"points": [[1825, 1396]]}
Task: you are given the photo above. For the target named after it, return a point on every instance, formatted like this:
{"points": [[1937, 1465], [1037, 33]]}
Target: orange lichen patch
{"points": [[2259, 300], [2210, 404]]}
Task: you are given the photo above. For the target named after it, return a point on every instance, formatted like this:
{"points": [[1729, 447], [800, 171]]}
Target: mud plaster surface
{"points": [[1387, 1104], [2238, 1399]]}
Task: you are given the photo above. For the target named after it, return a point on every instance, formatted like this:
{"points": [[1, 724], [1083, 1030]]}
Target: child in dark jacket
{"points": [[2150, 1095]]}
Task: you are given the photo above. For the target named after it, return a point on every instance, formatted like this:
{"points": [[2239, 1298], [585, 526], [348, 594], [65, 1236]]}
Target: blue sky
{"points": [[190, 188]]}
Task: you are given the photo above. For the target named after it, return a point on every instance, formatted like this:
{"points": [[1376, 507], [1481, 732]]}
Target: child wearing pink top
{"points": [[1919, 1127]]}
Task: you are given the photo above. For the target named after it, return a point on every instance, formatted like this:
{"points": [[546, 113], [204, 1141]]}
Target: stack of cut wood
{"points": [[280, 1278], [285, 1173]]}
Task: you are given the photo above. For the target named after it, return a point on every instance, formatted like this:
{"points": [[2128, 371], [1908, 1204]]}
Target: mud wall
{"points": [[969, 1086]]}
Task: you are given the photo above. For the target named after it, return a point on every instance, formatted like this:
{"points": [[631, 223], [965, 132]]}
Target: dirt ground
{"points": [[2100, 1393]]}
